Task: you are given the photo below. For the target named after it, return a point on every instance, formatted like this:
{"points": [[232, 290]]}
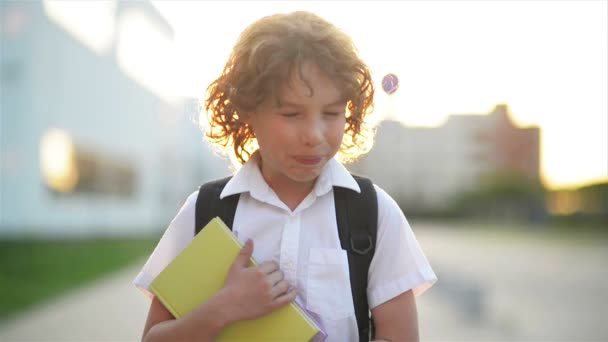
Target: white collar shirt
{"points": [[306, 245]]}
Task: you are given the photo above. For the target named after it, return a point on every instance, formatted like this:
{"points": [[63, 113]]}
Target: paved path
{"points": [[491, 288], [518, 287], [109, 310]]}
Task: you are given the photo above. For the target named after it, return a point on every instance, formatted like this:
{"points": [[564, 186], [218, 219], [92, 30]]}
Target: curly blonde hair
{"points": [[265, 56]]}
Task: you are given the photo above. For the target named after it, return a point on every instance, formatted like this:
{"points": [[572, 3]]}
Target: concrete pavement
{"points": [[518, 286], [113, 310], [108, 310], [491, 288]]}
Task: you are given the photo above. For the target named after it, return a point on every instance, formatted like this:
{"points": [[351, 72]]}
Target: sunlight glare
{"points": [[146, 54], [547, 60], [91, 22], [57, 160]]}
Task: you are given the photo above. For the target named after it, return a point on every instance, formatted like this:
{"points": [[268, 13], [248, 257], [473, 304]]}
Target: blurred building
{"points": [[86, 148], [425, 168]]}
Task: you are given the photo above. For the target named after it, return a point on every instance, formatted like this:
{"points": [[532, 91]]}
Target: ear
{"points": [[246, 117]]}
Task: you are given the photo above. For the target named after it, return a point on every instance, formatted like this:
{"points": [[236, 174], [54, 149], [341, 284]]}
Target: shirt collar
{"points": [[334, 174], [249, 179]]}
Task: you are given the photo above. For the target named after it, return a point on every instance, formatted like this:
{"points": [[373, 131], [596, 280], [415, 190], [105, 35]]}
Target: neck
{"points": [[293, 198], [290, 192]]}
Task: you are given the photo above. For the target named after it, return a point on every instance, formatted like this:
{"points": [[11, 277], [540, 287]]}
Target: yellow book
{"points": [[199, 271]]}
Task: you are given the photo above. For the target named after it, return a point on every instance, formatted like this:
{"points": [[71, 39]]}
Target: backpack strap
{"points": [[357, 218], [209, 204]]}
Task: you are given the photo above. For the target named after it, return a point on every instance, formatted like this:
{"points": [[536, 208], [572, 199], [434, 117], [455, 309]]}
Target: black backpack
{"points": [[357, 219]]}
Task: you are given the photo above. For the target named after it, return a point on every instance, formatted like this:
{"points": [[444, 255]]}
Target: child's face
{"points": [[300, 135]]}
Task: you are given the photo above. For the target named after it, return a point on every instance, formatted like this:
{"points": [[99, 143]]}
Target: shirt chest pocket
{"points": [[328, 284]]}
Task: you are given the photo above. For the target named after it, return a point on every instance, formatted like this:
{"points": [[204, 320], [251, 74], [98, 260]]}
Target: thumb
{"points": [[242, 260]]}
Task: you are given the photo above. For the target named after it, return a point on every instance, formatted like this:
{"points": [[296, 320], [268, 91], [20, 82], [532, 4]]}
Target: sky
{"points": [[547, 60]]}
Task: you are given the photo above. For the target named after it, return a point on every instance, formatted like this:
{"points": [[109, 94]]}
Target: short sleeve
{"points": [[177, 236], [399, 263]]}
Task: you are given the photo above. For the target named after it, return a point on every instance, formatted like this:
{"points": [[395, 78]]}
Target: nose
{"points": [[311, 133]]}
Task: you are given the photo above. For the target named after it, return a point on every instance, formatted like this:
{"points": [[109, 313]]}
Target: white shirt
{"points": [[306, 245]]}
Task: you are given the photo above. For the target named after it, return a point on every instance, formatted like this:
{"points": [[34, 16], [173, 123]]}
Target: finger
{"points": [[285, 298], [268, 267], [275, 277], [279, 289], [242, 260]]}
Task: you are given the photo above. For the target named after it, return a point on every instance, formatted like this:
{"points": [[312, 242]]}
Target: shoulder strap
{"points": [[357, 218], [209, 204]]}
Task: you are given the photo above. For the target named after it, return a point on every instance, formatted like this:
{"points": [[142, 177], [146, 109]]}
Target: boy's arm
{"points": [[248, 292], [203, 324], [397, 319]]}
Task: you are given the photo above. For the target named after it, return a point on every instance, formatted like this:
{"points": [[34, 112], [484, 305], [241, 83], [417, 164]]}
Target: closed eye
{"points": [[290, 115], [333, 113]]}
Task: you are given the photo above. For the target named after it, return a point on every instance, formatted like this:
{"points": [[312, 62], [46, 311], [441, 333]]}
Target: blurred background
{"points": [[495, 145]]}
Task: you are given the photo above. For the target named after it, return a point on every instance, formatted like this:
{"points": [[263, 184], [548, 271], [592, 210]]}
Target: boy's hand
{"points": [[255, 291]]}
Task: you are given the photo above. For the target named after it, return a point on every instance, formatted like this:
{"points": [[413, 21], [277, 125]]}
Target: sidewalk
{"points": [[109, 310], [113, 310], [502, 288]]}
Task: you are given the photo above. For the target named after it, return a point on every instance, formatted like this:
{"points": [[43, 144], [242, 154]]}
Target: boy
{"points": [[292, 98]]}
